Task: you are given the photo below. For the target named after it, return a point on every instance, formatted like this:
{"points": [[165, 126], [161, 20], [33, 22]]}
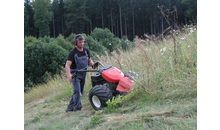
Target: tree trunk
{"points": [[144, 27], [151, 25], [117, 32], [102, 19], [162, 24], [120, 20], [125, 27], [111, 17], [133, 22], [90, 24], [53, 27], [62, 26]]}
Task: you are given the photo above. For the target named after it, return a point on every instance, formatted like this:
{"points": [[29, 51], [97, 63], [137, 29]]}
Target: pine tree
{"points": [[75, 15], [42, 16]]}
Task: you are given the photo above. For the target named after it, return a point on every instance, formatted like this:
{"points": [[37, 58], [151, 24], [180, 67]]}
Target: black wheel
{"points": [[99, 95]]}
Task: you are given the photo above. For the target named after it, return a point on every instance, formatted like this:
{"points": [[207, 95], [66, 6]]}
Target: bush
{"points": [[94, 46], [41, 59], [28, 40], [63, 43], [70, 38], [105, 37]]}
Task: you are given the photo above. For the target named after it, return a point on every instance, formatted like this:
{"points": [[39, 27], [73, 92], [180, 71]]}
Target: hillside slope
{"points": [[165, 98]]}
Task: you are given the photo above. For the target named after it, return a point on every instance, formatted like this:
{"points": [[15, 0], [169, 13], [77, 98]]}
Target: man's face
{"points": [[80, 43]]}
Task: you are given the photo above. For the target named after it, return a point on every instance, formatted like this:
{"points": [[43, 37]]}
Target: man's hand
{"points": [[94, 65], [70, 77]]}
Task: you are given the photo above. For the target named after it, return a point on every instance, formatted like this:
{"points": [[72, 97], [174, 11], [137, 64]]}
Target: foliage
{"points": [[42, 58], [28, 40], [75, 22], [42, 16], [105, 38], [134, 17], [94, 120], [95, 47], [173, 105], [63, 43], [113, 105]]}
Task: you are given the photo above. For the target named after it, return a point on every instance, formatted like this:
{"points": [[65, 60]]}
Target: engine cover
{"points": [[112, 75], [125, 84]]}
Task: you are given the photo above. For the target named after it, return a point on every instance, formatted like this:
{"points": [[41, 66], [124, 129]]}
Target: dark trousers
{"points": [[78, 87]]}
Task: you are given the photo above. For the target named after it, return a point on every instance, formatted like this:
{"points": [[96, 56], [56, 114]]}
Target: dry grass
{"points": [[166, 96], [57, 86]]}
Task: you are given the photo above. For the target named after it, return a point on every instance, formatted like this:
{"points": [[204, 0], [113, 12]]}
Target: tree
{"points": [[55, 10], [61, 18], [29, 29], [42, 16], [75, 15]]}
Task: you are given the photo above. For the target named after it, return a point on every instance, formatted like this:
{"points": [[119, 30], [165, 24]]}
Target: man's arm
{"points": [[67, 68], [90, 62]]}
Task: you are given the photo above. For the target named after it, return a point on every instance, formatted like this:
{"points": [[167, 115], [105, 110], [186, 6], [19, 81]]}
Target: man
{"points": [[78, 58]]}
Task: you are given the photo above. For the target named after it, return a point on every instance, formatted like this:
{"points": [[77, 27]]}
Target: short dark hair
{"points": [[78, 37]]}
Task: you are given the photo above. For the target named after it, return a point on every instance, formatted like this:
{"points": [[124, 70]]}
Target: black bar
{"points": [[88, 70]]}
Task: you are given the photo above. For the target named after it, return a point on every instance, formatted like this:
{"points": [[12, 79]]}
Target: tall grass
{"points": [[164, 98], [154, 62], [57, 87]]}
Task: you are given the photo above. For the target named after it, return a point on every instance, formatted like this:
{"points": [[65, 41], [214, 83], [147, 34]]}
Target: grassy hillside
{"points": [[165, 96]]}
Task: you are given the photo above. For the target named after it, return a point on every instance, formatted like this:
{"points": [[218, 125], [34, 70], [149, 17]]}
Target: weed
{"points": [[37, 118], [95, 119], [113, 105]]}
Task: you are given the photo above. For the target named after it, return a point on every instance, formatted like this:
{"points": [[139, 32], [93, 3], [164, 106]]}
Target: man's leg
{"points": [[75, 98], [82, 83]]}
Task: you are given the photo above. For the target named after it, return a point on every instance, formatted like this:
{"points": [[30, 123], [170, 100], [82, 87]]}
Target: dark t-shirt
{"points": [[79, 54]]}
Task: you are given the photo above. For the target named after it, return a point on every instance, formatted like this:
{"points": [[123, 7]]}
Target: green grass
{"points": [[165, 97]]}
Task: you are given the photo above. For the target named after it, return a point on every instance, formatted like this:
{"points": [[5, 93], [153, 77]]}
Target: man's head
{"points": [[78, 38]]}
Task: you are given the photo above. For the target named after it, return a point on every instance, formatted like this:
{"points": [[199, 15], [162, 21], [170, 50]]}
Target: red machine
{"points": [[114, 75], [108, 82]]}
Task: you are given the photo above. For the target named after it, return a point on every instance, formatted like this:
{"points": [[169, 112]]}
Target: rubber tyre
{"points": [[99, 95]]}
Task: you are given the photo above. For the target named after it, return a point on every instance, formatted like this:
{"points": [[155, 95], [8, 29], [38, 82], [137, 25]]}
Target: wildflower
{"points": [[189, 46], [110, 44], [182, 38], [191, 31], [161, 53], [164, 49]]}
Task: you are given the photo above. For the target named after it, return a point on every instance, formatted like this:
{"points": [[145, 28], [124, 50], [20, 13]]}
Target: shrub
{"points": [[42, 59], [63, 43], [28, 40], [94, 46], [105, 37]]}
